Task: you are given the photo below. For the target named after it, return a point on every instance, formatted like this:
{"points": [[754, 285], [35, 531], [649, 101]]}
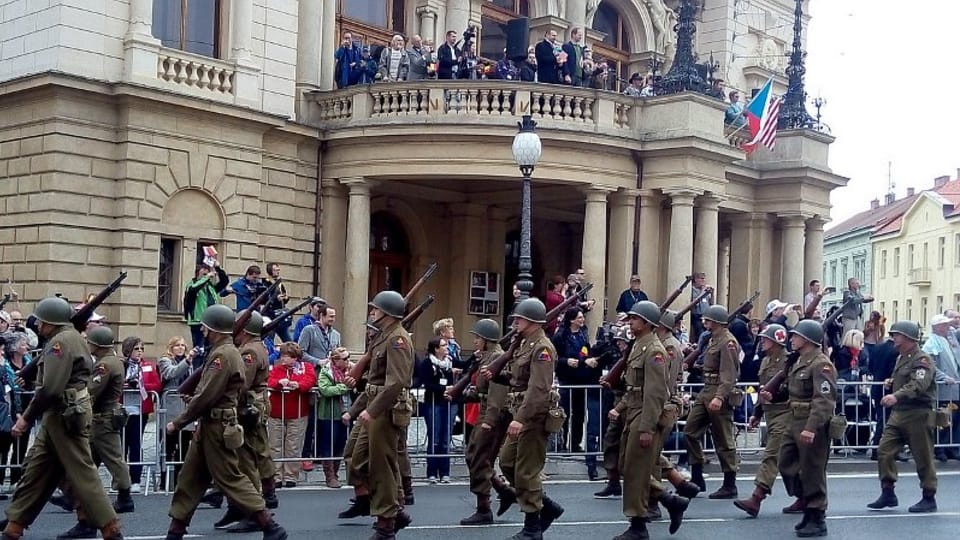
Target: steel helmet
{"points": [[647, 311], [218, 318], [809, 330], [100, 336], [532, 310], [776, 334], [486, 329], [53, 310], [909, 329], [717, 314], [669, 319], [254, 325], [389, 302]]}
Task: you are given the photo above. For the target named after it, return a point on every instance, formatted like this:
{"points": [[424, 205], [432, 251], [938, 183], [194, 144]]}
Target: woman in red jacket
{"points": [[142, 378], [291, 381]]}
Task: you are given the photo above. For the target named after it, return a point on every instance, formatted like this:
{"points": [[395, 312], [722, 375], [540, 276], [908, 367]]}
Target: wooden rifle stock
{"points": [[284, 315], [498, 363], [706, 292], [675, 294], [257, 303], [83, 314], [427, 274], [744, 308], [356, 372], [412, 317]]}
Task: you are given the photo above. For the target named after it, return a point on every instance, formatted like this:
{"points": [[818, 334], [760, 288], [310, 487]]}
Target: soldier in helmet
{"points": [[256, 461], [213, 455], [912, 397], [773, 341], [375, 459], [487, 438], [713, 408], [525, 450], [611, 437], [812, 387], [62, 447], [647, 391]]}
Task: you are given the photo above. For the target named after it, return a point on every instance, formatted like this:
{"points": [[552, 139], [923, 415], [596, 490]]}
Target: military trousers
{"points": [[57, 454], [637, 466], [348, 451], [720, 425], [375, 464], [482, 452], [403, 457], [256, 460], [802, 467], [522, 460], [611, 445], [662, 465], [908, 427], [778, 422], [209, 459]]}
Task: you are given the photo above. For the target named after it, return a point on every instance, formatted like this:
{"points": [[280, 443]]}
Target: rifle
{"points": [[809, 310], [706, 292], [427, 274], [358, 369], [83, 314], [189, 386], [774, 384], [284, 315], [508, 341], [744, 308], [6, 298], [675, 294]]}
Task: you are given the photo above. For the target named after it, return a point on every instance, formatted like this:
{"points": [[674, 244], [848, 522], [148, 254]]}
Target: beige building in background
{"points": [[126, 146]]}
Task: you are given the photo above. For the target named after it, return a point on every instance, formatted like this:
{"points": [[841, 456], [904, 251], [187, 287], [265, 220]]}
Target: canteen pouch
{"points": [[556, 416], [232, 435], [942, 418], [838, 426], [669, 416], [401, 412], [735, 398], [77, 414], [118, 420], [249, 414]]}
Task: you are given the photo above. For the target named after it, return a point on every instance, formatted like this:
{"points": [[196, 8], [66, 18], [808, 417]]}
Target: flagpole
{"points": [[734, 132]]}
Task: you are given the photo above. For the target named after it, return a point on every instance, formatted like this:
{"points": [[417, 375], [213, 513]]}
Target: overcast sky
{"points": [[889, 71]]}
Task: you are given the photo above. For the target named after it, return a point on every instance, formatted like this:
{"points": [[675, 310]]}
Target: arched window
{"points": [[615, 47], [494, 18], [372, 22]]}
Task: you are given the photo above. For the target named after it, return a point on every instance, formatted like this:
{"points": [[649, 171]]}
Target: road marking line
{"points": [[685, 520], [159, 537]]}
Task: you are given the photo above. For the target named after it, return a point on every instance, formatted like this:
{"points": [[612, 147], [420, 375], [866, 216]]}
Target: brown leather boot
{"points": [[384, 529], [797, 507], [330, 475], [483, 515], [751, 505], [271, 530], [12, 531], [177, 529], [406, 482], [111, 531], [335, 470], [269, 487]]}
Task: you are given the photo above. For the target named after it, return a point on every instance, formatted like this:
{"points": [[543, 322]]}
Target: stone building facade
{"points": [[130, 137]]}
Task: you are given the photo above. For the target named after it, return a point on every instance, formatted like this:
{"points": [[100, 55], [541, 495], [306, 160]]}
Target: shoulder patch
{"points": [[544, 356], [732, 344], [825, 387], [101, 369], [827, 368], [248, 358], [216, 363], [399, 343], [923, 361], [56, 349], [920, 374], [671, 353], [657, 359]]}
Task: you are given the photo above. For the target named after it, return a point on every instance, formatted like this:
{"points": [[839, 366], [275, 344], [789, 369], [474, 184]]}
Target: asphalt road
{"points": [[309, 513]]}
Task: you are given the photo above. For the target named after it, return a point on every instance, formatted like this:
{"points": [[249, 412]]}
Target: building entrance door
{"points": [[389, 255]]}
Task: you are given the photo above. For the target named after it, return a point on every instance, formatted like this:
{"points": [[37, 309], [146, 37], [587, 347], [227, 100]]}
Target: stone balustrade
{"points": [[205, 76]]}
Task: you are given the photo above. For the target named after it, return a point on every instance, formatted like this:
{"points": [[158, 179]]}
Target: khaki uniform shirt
{"points": [[64, 363], [648, 387], [674, 361], [773, 363], [106, 385], [531, 372], [391, 368], [813, 380], [219, 386], [492, 408], [722, 360], [913, 381]]}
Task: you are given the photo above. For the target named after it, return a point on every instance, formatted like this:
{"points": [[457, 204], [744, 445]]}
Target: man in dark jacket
{"points": [[573, 67], [548, 69], [881, 367], [631, 296], [449, 56]]}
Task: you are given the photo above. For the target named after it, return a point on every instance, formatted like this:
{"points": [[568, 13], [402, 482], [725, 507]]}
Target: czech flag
{"points": [[762, 114]]}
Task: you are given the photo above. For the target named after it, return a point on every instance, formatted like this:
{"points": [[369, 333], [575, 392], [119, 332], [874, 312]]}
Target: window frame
{"points": [[883, 263], [618, 55], [896, 261], [924, 304], [220, 11], [941, 251], [369, 34], [896, 308], [172, 285]]}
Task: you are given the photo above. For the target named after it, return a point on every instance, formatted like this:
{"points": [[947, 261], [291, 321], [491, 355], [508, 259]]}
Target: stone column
{"points": [[428, 25], [593, 258], [357, 263], [141, 19], [791, 281], [679, 261], [333, 241], [458, 17], [328, 43], [706, 240], [140, 48], [623, 218], [648, 243], [813, 250], [309, 21], [723, 272], [241, 30]]}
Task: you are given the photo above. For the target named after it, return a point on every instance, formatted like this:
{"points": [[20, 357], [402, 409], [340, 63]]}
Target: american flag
{"points": [[762, 116]]}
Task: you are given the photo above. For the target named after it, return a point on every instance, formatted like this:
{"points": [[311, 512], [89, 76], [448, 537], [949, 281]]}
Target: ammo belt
{"points": [[372, 389], [516, 395], [711, 378], [801, 408], [223, 414]]}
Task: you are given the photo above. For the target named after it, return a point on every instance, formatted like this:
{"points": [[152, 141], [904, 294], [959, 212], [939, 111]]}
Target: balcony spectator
{"points": [[368, 66], [334, 401], [648, 90], [317, 306], [631, 295], [394, 62], [636, 86], [505, 69], [573, 68], [449, 57], [575, 367], [142, 378], [734, 117], [528, 68], [947, 378], [174, 366], [853, 314], [290, 383], [434, 374], [472, 67], [717, 89], [348, 62], [548, 59], [200, 294], [420, 59], [247, 288], [602, 77]]}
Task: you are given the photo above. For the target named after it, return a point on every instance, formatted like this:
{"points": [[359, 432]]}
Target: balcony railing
{"points": [[919, 277]]}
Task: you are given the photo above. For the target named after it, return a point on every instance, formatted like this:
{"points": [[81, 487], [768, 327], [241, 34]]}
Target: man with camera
{"points": [[246, 288]]}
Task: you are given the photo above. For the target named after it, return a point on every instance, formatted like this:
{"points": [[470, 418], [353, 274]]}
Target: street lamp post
{"points": [[526, 153]]}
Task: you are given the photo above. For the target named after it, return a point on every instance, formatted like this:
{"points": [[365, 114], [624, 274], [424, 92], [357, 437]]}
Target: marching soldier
{"points": [[213, 454], [772, 342], [912, 398], [109, 417], [62, 445], [487, 438], [529, 400], [375, 460], [611, 438], [812, 387], [713, 408], [256, 461], [647, 391]]}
